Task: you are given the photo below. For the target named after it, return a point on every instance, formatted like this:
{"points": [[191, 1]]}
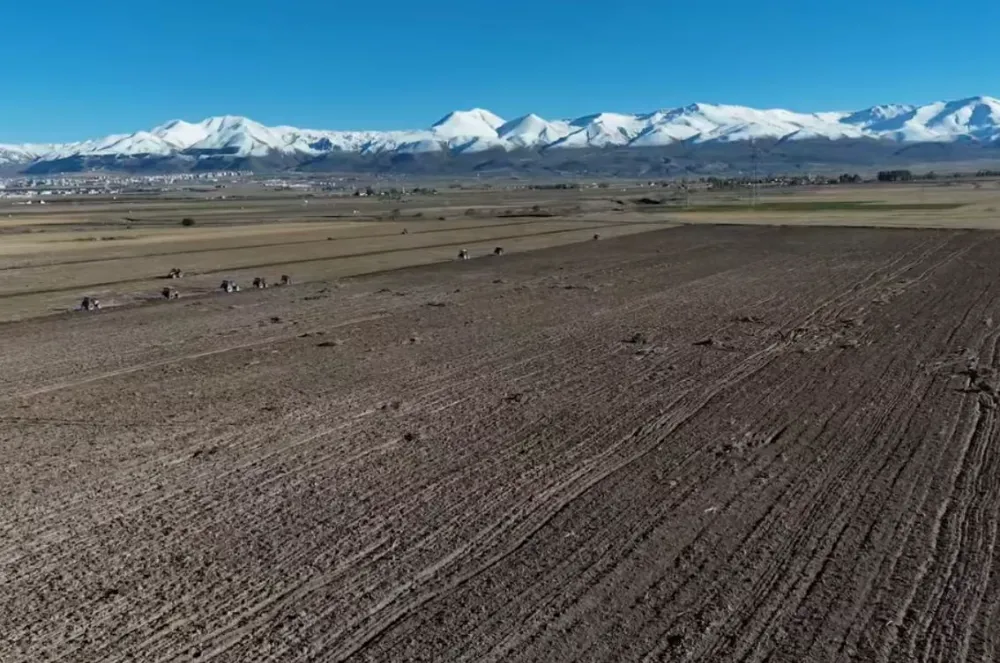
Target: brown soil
{"points": [[707, 443]]}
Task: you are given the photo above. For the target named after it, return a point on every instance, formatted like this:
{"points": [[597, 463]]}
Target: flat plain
{"points": [[52, 256], [120, 250], [700, 443]]}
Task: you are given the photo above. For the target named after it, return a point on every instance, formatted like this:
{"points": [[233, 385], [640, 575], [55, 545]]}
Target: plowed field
{"points": [[698, 444]]}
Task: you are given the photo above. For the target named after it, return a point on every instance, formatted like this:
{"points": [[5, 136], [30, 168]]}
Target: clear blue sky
{"points": [[77, 69]]}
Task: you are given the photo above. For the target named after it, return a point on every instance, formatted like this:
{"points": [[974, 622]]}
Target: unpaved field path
{"points": [[700, 444]]}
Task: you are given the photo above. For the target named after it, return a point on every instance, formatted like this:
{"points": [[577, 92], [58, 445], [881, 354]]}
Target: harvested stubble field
{"points": [[705, 443]]}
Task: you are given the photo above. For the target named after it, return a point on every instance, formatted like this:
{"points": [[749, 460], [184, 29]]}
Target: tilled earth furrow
{"points": [[702, 444]]}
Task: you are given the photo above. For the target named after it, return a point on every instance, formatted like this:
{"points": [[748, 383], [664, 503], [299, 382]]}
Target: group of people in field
{"points": [[91, 303], [229, 285], [464, 253]]}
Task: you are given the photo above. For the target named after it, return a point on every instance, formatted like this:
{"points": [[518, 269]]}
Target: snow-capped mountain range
{"points": [[975, 119]]}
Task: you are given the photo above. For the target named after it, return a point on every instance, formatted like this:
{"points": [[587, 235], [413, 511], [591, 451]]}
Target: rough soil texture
{"points": [[700, 444]]}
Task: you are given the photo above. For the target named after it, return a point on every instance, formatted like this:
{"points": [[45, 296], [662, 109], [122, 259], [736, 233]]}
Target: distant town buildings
{"points": [[32, 188]]}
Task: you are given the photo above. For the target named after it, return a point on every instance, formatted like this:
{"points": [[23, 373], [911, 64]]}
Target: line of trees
{"points": [[894, 176]]}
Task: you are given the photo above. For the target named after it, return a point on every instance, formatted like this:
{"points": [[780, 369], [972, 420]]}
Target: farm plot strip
{"points": [[255, 246], [326, 258]]}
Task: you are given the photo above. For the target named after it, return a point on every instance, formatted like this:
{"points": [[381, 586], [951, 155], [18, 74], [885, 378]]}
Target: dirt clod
{"points": [[206, 451]]}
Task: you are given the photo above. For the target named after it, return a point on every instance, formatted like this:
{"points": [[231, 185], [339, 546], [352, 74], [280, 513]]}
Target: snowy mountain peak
{"points": [[525, 120], [222, 121], [696, 107], [465, 131], [472, 123], [532, 130], [180, 134], [976, 111], [879, 113], [984, 100]]}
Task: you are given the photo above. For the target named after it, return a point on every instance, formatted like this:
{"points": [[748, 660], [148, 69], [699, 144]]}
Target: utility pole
{"points": [[753, 180]]}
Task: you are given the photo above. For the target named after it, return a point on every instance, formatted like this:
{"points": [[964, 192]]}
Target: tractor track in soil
{"points": [[699, 444]]}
